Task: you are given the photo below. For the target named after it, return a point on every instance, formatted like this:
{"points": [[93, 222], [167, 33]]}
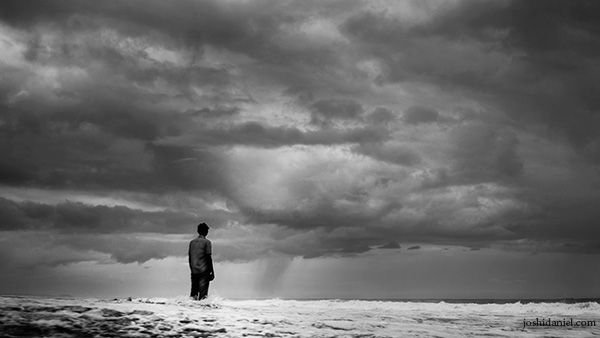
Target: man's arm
{"points": [[190, 255], [211, 271]]}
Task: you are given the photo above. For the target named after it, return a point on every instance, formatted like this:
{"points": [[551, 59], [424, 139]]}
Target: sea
{"points": [[27, 316]]}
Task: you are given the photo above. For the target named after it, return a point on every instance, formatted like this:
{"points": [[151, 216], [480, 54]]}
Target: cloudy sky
{"points": [[345, 149]]}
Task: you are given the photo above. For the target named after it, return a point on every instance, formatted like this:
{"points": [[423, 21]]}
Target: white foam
{"points": [[295, 318]]}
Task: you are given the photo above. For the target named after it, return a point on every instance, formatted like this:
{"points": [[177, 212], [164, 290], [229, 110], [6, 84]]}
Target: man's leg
{"points": [[203, 287], [195, 285]]}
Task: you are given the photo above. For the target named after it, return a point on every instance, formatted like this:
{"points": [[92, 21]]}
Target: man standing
{"points": [[201, 265]]}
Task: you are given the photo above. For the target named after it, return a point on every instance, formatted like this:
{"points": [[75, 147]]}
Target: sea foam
{"points": [[220, 317]]}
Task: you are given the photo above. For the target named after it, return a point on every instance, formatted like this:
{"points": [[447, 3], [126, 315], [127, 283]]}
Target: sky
{"points": [[337, 149]]}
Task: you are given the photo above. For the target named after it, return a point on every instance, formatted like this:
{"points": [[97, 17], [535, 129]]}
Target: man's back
{"points": [[199, 255]]}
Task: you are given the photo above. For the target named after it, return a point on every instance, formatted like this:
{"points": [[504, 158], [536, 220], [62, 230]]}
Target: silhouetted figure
{"points": [[201, 265]]}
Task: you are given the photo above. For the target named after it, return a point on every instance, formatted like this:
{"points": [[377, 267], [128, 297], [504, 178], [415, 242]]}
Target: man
{"points": [[201, 265]]}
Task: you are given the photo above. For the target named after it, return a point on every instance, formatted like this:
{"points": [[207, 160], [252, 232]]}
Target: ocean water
{"points": [[217, 317]]}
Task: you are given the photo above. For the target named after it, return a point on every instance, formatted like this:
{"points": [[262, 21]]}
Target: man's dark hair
{"points": [[203, 229]]}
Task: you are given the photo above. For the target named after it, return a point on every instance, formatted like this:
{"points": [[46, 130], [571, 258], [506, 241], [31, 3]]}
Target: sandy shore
{"points": [[62, 317]]}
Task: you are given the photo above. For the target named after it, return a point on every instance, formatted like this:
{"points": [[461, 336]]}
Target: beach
{"points": [[216, 317]]}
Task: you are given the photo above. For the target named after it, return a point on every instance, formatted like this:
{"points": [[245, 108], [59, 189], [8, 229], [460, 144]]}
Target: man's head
{"points": [[203, 229]]}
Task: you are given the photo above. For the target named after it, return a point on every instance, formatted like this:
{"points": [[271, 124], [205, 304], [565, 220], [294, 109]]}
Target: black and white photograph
{"points": [[299, 168]]}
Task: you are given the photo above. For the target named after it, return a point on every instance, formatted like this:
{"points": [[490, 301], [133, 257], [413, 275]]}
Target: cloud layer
{"points": [[298, 128]]}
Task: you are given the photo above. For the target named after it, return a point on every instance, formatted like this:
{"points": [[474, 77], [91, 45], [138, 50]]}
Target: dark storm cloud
{"points": [[110, 122], [257, 134], [128, 248], [247, 28], [115, 148], [342, 241], [420, 114], [25, 250], [98, 132], [105, 96], [43, 249], [483, 152], [152, 96], [72, 217], [85, 157], [380, 115], [188, 169], [217, 112], [127, 235], [321, 213], [323, 111], [390, 245], [354, 228], [397, 154], [204, 21], [570, 223], [534, 26], [538, 61]]}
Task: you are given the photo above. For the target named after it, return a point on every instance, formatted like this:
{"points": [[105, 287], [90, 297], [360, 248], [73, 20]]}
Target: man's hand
{"points": [[211, 276]]}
